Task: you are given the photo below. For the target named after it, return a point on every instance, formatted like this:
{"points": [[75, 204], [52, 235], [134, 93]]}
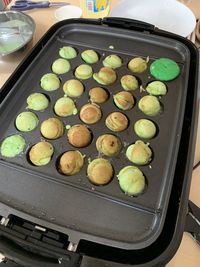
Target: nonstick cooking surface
{"points": [[102, 212]]}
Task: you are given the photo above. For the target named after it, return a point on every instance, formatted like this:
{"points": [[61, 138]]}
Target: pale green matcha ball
{"points": [[156, 88], [129, 82], [26, 121], [137, 65], [37, 101], [61, 66], [67, 52], [90, 56], [145, 128], [50, 82], [64, 107], [112, 61], [139, 153], [131, 180], [149, 105], [124, 100], [12, 146], [83, 72]]}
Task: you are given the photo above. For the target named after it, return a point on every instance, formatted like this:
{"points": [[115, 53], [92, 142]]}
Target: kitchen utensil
{"points": [[22, 5]]}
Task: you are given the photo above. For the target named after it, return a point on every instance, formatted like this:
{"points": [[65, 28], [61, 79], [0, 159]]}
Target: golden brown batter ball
{"points": [[100, 171], [98, 95], [79, 136], [41, 153], [117, 122], [52, 128], [90, 113], [71, 162], [108, 144]]}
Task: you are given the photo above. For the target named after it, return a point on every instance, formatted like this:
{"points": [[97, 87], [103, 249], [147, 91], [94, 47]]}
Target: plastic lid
{"points": [[68, 12]]}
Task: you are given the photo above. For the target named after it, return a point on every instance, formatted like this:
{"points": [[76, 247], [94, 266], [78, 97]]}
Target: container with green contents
{"points": [[16, 30]]}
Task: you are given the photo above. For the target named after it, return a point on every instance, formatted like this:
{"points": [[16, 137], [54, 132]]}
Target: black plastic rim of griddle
{"points": [[186, 157], [144, 215]]}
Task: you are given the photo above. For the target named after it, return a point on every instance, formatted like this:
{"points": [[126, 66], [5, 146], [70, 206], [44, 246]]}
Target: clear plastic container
{"points": [[95, 8]]}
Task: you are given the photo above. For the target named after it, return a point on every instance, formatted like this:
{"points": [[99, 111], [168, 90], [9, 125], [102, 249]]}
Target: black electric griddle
{"points": [[103, 221]]}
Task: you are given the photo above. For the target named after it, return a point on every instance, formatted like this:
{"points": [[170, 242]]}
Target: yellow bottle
{"points": [[95, 8]]}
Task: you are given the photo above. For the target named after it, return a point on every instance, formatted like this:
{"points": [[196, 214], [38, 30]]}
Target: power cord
{"points": [[196, 165]]}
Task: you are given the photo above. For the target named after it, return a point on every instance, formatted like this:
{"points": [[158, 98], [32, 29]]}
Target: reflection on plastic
{"points": [[95, 8]]}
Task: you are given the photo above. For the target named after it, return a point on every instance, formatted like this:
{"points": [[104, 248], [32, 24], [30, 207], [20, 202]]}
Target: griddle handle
{"points": [[19, 255], [128, 24]]}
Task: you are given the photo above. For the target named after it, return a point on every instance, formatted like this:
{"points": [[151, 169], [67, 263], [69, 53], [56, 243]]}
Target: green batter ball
{"points": [[67, 52], [145, 128], [50, 82], [12, 146], [26, 121], [83, 72], [156, 88], [164, 69], [90, 56], [149, 105], [37, 102], [61, 66], [64, 107], [129, 82], [139, 153], [137, 65], [131, 180], [112, 61], [124, 100]]}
